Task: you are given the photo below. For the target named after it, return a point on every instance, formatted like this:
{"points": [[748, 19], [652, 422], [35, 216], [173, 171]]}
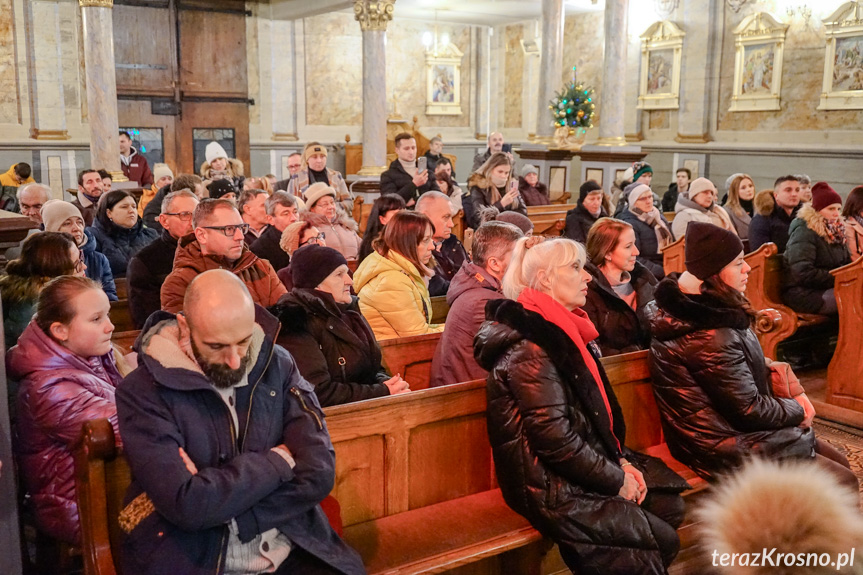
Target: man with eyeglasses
{"points": [[31, 198], [217, 243], [149, 268], [281, 212]]}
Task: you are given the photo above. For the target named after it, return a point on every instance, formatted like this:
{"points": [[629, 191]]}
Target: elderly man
{"points": [[449, 254], [89, 191], [227, 446], [475, 284], [149, 268], [495, 144], [217, 243], [253, 209], [281, 212], [404, 177], [31, 198]]}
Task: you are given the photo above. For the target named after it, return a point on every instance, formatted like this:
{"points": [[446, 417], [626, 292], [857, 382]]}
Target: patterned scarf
{"points": [[654, 220], [836, 231]]}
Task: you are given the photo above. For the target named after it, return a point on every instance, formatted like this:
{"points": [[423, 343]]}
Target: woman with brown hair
{"points": [[383, 210], [740, 205], [492, 185], [853, 214], [392, 282]]}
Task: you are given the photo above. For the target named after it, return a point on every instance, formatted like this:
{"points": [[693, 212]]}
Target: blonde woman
{"points": [[740, 206], [492, 185]]}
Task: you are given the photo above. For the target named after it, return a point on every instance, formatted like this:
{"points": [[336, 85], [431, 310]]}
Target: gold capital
{"points": [[373, 14], [96, 3]]}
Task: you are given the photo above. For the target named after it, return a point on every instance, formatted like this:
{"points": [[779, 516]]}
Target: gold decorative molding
{"points": [[96, 3], [38, 134], [118, 176], [692, 139], [372, 171], [285, 137], [616, 141], [373, 14]]}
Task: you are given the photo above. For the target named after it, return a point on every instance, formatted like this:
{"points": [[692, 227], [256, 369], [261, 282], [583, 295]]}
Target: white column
{"points": [[612, 99], [551, 64], [45, 65], [101, 84], [373, 17]]}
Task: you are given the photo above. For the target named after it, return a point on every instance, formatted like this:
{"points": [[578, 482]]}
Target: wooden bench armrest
{"points": [[767, 320]]}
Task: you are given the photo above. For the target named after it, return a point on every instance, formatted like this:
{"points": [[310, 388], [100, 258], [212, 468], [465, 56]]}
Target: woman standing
{"points": [[652, 230], [740, 206], [492, 185], [118, 230], [557, 432], [339, 227]]}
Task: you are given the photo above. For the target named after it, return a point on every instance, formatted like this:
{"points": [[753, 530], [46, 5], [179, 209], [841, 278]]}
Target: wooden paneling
{"points": [[364, 496], [213, 115], [213, 53], [136, 113], [144, 38]]}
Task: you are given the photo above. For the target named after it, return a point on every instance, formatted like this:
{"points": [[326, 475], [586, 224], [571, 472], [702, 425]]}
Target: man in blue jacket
{"points": [[229, 453]]}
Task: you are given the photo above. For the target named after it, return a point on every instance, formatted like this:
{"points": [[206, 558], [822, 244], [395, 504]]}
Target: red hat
{"points": [[823, 195]]}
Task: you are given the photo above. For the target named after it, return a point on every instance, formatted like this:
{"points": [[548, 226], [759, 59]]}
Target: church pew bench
{"points": [[121, 316], [548, 220], [669, 216], [411, 357], [440, 309], [124, 339], [845, 372], [122, 288], [674, 258]]}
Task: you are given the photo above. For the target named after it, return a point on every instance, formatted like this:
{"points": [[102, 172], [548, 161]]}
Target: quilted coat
{"points": [[58, 391], [120, 244], [712, 386], [98, 266]]}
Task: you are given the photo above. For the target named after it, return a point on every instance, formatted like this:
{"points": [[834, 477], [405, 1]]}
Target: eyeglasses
{"points": [[315, 239], [184, 216], [80, 265], [230, 231]]}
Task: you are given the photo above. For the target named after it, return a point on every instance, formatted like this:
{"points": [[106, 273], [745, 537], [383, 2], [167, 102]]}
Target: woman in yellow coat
{"points": [[392, 282]]}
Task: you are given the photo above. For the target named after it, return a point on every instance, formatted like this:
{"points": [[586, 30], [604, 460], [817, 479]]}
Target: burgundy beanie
{"points": [[823, 195], [709, 248], [311, 264]]}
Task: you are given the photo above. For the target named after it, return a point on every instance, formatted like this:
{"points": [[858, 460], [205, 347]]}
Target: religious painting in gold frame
{"points": [[843, 59], [443, 81], [759, 48]]}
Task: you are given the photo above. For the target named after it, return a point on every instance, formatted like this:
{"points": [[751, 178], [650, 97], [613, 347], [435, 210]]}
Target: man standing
{"points": [[149, 268], [434, 153], [495, 144], [18, 175], [403, 177], [449, 253], [774, 214], [281, 212], [133, 164], [295, 162], [89, 191], [217, 243], [252, 206], [681, 186], [227, 446]]}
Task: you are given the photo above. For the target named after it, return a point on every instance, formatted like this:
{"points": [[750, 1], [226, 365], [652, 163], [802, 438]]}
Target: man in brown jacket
{"points": [[217, 243]]}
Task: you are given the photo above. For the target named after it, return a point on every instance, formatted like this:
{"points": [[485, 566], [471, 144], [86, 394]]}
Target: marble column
{"points": [[551, 64], [373, 16], [612, 99], [45, 67], [699, 70], [101, 85]]}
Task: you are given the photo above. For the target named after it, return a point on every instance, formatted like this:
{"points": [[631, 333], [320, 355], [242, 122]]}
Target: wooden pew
{"points": [[411, 357], [121, 316], [440, 309], [361, 213], [548, 220], [674, 258], [125, 339], [845, 372], [669, 216], [122, 288]]}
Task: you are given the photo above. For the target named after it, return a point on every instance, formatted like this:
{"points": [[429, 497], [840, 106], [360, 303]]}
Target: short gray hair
{"points": [[283, 199], [493, 239], [435, 139], [247, 196], [803, 179], [34, 186], [427, 198], [184, 193]]}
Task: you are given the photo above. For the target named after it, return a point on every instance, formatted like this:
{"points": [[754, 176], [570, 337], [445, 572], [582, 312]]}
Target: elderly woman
{"points": [[556, 428], [118, 230], [492, 185], [339, 227], [699, 205], [586, 213], [322, 327], [650, 226]]}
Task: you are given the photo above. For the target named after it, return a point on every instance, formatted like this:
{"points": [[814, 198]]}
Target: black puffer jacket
{"points": [[621, 328], [712, 386], [579, 221], [554, 453], [333, 345]]}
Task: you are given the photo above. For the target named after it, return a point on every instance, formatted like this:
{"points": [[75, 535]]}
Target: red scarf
{"points": [[577, 326]]}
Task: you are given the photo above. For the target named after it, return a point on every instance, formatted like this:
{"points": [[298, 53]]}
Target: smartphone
{"points": [[506, 148], [422, 164], [513, 185]]}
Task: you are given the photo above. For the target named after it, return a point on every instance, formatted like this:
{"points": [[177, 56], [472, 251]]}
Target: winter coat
{"points": [[98, 266], [394, 297], [448, 260], [646, 242], [9, 199], [137, 169], [8, 178], [741, 225], [59, 391], [298, 183], [688, 211], [556, 459], [480, 159], [809, 258], [770, 223], [480, 197], [19, 295], [168, 403], [119, 244], [86, 207], [333, 345], [146, 197], [854, 237], [233, 172], [621, 328], [147, 271], [154, 208], [533, 195], [468, 293], [397, 181], [712, 386], [579, 221], [669, 198], [267, 248], [258, 275]]}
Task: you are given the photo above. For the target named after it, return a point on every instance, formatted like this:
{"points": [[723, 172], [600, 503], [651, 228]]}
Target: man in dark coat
{"points": [[669, 198], [403, 177], [774, 214], [589, 208], [475, 284], [149, 267], [190, 182], [227, 446], [281, 212], [449, 253]]}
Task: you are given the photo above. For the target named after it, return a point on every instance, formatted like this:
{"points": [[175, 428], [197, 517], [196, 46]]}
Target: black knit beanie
{"points": [[586, 188], [311, 264], [709, 248], [221, 187]]}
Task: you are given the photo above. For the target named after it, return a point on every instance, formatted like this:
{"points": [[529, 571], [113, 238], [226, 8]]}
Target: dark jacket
{"points": [[137, 170], [168, 403], [712, 386], [120, 244], [646, 242], [669, 198], [770, 223], [579, 221], [468, 293], [397, 181], [267, 248], [621, 328], [448, 261], [98, 266], [555, 456], [480, 159], [146, 274], [809, 257], [19, 295], [333, 345], [154, 208], [533, 195], [480, 197], [86, 207]]}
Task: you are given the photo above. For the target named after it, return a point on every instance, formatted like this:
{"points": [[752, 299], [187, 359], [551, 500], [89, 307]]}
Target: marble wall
{"points": [[583, 49], [514, 76], [8, 73]]}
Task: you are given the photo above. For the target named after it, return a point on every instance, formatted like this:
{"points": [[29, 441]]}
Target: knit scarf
{"points": [[579, 329], [654, 220], [836, 231]]}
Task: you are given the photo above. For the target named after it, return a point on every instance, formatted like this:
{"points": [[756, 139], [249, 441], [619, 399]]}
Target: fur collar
{"points": [[17, 289], [814, 220], [698, 311], [764, 203]]}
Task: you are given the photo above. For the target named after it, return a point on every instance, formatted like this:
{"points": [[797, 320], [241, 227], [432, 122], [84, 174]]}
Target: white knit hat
{"points": [[636, 193], [215, 151], [160, 171]]}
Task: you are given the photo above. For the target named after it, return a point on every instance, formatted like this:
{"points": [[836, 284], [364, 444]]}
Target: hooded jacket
{"points": [[137, 169], [393, 296], [712, 386], [258, 275], [58, 392], [168, 403], [579, 221], [809, 257], [468, 293], [98, 266], [8, 179], [119, 244], [770, 223], [554, 453], [234, 172], [147, 271], [689, 211], [396, 180], [621, 328], [480, 197], [533, 195]]}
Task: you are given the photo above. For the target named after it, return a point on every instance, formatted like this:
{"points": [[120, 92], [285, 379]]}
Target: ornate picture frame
{"points": [[661, 52], [443, 81], [843, 64], [760, 45]]}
